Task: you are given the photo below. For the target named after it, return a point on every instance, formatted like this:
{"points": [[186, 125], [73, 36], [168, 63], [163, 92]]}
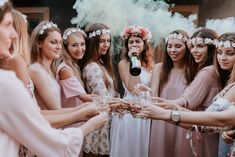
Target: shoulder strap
{"points": [[226, 89]]}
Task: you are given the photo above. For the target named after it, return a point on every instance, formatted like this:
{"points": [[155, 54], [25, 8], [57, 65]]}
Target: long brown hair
{"points": [[209, 34], [225, 75], [92, 53], [146, 57], [167, 64]]}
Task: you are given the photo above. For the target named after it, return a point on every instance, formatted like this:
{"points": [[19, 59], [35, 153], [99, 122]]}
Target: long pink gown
{"points": [[168, 140], [198, 96], [22, 122]]}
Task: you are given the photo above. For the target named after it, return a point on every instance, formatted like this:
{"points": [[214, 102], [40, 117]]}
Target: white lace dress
{"points": [[97, 142], [129, 135]]}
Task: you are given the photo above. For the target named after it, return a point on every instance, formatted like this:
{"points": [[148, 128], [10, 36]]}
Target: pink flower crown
{"points": [[143, 32]]}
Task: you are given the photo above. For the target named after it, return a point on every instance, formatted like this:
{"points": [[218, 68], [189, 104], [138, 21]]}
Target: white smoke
{"points": [[222, 25], [118, 14]]}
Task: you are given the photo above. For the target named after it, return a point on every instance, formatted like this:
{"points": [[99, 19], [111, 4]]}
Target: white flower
{"points": [[178, 36], [71, 31], [99, 32], [46, 26], [227, 44]]}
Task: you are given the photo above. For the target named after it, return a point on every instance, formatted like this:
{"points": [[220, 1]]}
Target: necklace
{"points": [[43, 67]]}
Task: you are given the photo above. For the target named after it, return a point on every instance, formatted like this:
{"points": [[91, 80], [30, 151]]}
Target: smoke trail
{"points": [[120, 13], [222, 25]]}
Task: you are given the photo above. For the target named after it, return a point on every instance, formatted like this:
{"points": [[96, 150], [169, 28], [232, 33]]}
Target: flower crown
{"points": [[47, 26], [143, 32], [177, 36], [2, 2], [99, 32], [199, 40], [71, 31], [225, 44]]}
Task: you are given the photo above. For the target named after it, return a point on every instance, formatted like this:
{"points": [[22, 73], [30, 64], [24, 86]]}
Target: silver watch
{"points": [[175, 116]]}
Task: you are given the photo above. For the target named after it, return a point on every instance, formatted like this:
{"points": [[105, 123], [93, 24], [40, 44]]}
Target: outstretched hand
{"points": [[154, 112], [164, 103], [142, 88]]}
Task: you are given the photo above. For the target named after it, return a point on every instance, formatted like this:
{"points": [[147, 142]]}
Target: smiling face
{"points": [[8, 33], [176, 49], [199, 52], [104, 43], [52, 45], [76, 46], [226, 58]]}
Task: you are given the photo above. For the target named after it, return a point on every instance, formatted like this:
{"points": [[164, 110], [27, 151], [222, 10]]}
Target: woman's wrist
{"points": [[167, 115]]}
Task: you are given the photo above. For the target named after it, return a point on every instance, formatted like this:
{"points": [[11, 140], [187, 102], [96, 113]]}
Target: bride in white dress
{"points": [[130, 135]]}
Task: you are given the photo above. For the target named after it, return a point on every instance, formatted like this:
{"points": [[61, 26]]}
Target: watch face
{"points": [[175, 116]]}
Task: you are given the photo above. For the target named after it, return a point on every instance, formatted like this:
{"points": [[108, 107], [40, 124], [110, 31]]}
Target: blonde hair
{"points": [[36, 38], [21, 44], [66, 58], [7, 7]]}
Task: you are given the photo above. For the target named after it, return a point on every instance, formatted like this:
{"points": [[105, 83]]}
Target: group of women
{"points": [[55, 89]]}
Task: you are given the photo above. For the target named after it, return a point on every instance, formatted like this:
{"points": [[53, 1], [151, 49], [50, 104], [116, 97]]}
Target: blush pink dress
{"points": [[168, 140], [71, 88], [22, 123]]}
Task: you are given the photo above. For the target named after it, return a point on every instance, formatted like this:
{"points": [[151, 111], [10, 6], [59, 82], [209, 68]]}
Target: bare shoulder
{"points": [[157, 67], [123, 63], [230, 94], [66, 72]]}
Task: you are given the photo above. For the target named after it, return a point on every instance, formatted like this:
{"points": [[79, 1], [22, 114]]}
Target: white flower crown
{"points": [[177, 36], [199, 40], [99, 32], [47, 26], [71, 31], [2, 2], [225, 44]]}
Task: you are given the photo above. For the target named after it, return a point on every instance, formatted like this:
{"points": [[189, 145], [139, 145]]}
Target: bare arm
{"points": [[129, 80], [21, 111], [155, 79], [67, 73], [40, 80], [66, 116]]}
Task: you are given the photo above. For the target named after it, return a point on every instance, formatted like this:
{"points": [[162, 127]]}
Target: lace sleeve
{"points": [[94, 78]]}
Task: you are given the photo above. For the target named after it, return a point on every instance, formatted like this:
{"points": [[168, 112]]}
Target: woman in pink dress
{"points": [[169, 80], [200, 93], [68, 71], [225, 59], [46, 45], [21, 121]]}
